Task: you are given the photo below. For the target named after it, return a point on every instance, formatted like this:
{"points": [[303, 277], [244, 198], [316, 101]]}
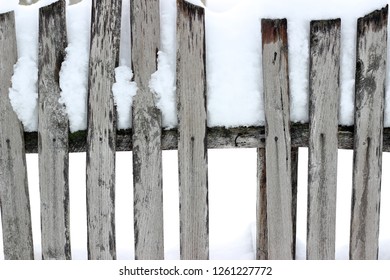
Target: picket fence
{"points": [[277, 142]]}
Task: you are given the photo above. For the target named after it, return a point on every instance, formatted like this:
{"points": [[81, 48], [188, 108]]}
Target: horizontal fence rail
{"points": [[277, 142]]}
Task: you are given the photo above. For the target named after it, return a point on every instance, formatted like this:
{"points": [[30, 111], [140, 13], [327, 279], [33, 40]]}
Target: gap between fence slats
{"points": [[53, 137], [277, 139], [323, 111], [147, 153], [367, 163], [101, 138], [14, 194], [192, 140]]}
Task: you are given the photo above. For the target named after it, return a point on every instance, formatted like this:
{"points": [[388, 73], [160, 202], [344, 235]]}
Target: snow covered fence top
{"points": [[192, 138], [233, 58]]}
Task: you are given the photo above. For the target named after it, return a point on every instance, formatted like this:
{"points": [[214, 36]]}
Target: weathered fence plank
{"points": [[261, 206], [367, 164], [104, 56], [192, 146], [294, 193], [53, 130], [14, 195], [147, 153], [277, 141], [323, 111]]}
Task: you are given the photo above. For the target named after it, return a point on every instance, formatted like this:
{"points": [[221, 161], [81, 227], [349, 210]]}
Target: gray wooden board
{"points": [[277, 139], [104, 56], [14, 195], [192, 146], [367, 163], [147, 153], [261, 206], [217, 138], [324, 87], [53, 135]]}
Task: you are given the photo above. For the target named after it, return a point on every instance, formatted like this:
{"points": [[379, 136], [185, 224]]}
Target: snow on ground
{"points": [[234, 98]]}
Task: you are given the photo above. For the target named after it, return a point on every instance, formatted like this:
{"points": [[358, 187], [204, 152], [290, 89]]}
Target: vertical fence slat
{"points": [[294, 193], [53, 129], [278, 142], [323, 143], [261, 212], [101, 139], [147, 155], [192, 146], [369, 104], [14, 195]]}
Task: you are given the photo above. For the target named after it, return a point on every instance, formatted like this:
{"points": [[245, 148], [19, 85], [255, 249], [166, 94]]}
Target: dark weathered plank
{"points": [[53, 130], [277, 139], [323, 111], [104, 56], [261, 212], [147, 154], [192, 146], [294, 192], [14, 196], [367, 163]]}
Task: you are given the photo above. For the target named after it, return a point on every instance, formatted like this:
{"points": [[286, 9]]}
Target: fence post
{"points": [[323, 144], [101, 139], [53, 135], [192, 146], [367, 163], [147, 154], [278, 141], [14, 195]]}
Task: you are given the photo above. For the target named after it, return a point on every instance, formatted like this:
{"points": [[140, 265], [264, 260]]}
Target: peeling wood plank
{"points": [[53, 130], [14, 195], [192, 146], [367, 163], [101, 138], [323, 111], [277, 139], [147, 153]]}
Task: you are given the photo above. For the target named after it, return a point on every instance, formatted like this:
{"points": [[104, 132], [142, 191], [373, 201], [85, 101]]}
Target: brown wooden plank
{"points": [[367, 163], [14, 195], [277, 139], [192, 117], [147, 154], [53, 130], [104, 57], [323, 111]]}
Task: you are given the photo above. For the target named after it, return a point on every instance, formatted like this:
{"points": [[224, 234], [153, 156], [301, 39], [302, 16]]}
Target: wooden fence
{"points": [[277, 142]]}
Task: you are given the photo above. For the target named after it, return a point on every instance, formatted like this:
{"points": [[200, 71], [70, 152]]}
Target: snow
{"points": [[233, 57], [234, 78]]}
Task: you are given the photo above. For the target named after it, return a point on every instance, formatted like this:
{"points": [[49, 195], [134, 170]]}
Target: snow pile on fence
{"points": [[233, 44]]}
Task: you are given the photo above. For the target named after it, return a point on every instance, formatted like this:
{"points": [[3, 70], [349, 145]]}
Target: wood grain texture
{"points": [[104, 56], [261, 206], [217, 138], [324, 86], [367, 163], [14, 195], [277, 139], [147, 154], [53, 130], [294, 193], [192, 146]]}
